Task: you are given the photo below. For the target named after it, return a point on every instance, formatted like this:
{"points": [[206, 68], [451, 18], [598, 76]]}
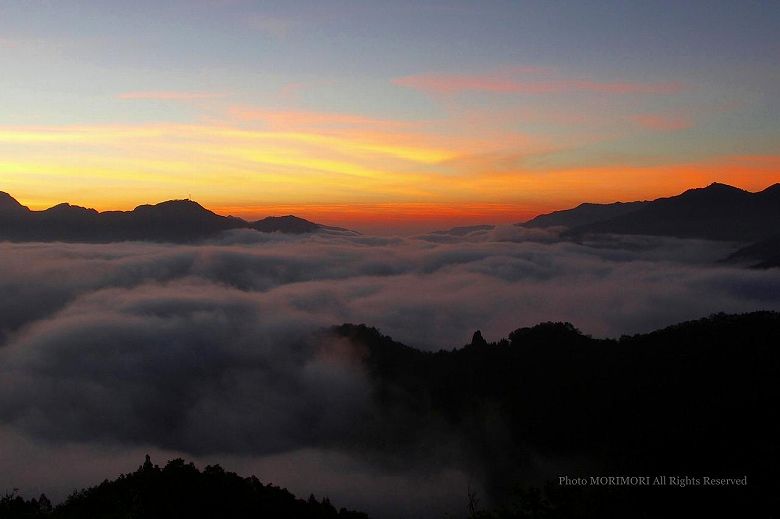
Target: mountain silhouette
{"points": [[464, 230], [288, 224], [698, 398], [716, 212], [9, 205], [172, 221], [761, 255], [584, 214]]}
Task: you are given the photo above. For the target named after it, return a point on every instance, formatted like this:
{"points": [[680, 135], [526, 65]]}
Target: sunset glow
{"points": [[409, 258], [418, 144]]}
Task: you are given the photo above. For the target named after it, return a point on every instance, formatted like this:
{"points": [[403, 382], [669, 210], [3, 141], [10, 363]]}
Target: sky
{"points": [[385, 116]]}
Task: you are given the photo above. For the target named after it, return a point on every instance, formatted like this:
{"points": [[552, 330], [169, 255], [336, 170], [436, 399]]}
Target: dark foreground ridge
{"points": [[696, 400], [179, 490], [699, 399], [178, 221]]}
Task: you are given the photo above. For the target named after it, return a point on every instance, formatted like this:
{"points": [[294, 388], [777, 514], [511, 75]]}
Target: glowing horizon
{"points": [[749, 173], [255, 110]]}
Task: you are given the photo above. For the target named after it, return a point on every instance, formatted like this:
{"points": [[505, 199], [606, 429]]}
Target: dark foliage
{"points": [[697, 399], [14, 506], [179, 490]]}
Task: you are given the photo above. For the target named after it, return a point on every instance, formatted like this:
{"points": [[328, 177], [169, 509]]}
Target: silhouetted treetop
{"points": [[179, 490], [477, 339], [700, 397]]}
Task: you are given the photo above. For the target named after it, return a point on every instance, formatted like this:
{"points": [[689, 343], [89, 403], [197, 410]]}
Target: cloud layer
{"points": [[217, 350]]}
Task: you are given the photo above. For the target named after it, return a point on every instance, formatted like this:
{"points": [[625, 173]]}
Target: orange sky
{"points": [[367, 174], [384, 116], [468, 165]]}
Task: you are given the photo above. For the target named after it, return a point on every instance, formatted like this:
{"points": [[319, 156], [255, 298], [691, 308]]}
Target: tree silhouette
{"points": [[179, 490]]}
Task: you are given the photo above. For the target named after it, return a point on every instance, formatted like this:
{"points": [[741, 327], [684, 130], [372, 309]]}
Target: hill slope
{"points": [[171, 221], [694, 400], [583, 214], [762, 254], [179, 490], [699, 398], [716, 212]]}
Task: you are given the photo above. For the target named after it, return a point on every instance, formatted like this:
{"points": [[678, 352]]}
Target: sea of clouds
{"points": [[215, 352]]}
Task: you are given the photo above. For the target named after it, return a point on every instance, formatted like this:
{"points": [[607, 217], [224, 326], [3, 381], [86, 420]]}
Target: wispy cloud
{"points": [[662, 122], [169, 95], [507, 81], [297, 118], [360, 177]]}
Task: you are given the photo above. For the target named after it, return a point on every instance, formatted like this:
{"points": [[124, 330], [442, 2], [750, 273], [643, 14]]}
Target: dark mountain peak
{"points": [[464, 230], [723, 187], [6, 199], [68, 209], [174, 207], [360, 332], [714, 189], [285, 218], [770, 193], [287, 224], [9, 203], [549, 331], [587, 205], [378, 345], [583, 214], [716, 212], [641, 218], [177, 221], [184, 217]]}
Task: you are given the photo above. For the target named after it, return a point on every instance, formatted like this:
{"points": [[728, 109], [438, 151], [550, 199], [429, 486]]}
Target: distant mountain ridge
{"points": [[584, 214], [716, 212], [170, 221], [9, 204], [763, 254]]}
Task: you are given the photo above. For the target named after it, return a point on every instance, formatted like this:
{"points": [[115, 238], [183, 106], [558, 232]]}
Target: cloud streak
{"points": [[168, 95], [662, 122], [449, 84]]}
